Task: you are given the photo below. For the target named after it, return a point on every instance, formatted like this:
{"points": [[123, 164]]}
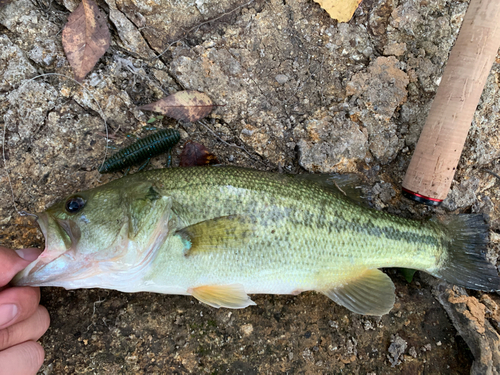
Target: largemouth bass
{"points": [[222, 233]]}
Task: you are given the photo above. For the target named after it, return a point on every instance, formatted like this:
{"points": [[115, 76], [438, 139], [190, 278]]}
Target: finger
{"points": [[18, 303], [30, 329], [11, 262], [22, 359]]}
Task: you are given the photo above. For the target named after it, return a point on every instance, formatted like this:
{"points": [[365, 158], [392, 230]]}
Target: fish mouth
{"points": [[60, 238], [70, 260], [63, 264], [43, 222]]}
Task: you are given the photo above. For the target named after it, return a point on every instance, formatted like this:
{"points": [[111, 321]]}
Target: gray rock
{"points": [[14, 66], [281, 78], [380, 91], [330, 144], [461, 195], [24, 121], [396, 350]]}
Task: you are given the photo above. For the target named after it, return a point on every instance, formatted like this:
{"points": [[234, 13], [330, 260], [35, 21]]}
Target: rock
{"points": [[414, 115], [130, 36], [396, 350], [468, 316], [382, 88], [329, 144], [483, 139], [462, 194], [380, 91], [281, 78], [406, 17], [171, 20], [25, 18], [396, 49], [24, 120], [247, 329], [14, 66]]}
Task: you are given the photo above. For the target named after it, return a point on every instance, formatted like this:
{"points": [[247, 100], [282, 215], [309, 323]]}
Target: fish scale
{"points": [[308, 205]]}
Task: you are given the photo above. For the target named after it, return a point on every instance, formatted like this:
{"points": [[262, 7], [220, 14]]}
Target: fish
{"points": [[221, 234]]}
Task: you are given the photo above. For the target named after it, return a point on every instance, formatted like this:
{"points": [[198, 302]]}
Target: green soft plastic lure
{"points": [[141, 151]]}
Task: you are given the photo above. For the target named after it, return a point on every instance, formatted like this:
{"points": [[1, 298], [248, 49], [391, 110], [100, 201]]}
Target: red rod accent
{"points": [[422, 196]]}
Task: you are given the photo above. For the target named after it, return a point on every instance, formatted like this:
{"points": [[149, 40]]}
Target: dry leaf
{"points": [[195, 154], [189, 105], [85, 38], [340, 10]]}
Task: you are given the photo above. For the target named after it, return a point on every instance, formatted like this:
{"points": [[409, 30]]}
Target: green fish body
{"points": [[221, 233]]}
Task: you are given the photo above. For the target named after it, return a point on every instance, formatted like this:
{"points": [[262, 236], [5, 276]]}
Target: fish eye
{"points": [[75, 204]]}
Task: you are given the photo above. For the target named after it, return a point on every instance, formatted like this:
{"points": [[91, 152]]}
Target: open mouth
{"points": [[61, 264], [36, 274], [71, 261]]}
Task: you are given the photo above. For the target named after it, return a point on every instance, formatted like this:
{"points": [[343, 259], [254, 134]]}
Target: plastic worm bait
{"points": [[142, 150]]}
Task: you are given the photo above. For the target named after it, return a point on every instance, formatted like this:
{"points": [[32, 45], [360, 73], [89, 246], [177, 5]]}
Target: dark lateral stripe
{"points": [[369, 228], [395, 234]]}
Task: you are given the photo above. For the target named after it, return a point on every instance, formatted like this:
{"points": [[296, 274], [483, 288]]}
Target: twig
{"points": [[136, 71], [186, 33], [24, 213], [338, 187], [229, 144], [97, 302], [7, 171], [492, 173], [93, 97]]}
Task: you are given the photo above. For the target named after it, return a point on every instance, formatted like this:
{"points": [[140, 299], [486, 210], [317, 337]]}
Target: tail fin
{"points": [[466, 264]]}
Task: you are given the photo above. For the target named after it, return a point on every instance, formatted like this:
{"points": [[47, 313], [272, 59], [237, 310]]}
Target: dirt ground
{"points": [[297, 92]]}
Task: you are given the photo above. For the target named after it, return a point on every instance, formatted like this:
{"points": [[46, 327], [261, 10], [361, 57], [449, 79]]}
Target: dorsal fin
{"points": [[349, 185], [371, 293]]}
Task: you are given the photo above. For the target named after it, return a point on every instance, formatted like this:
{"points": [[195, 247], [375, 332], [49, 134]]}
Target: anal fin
{"points": [[231, 296], [371, 293]]}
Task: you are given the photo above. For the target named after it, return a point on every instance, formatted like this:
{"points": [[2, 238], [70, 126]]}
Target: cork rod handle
{"points": [[432, 167]]}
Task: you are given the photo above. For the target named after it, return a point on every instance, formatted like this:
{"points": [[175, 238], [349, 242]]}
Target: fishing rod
{"points": [[434, 162]]}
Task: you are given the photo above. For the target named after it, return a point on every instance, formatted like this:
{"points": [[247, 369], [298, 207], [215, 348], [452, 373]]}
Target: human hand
{"points": [[22, 319]]}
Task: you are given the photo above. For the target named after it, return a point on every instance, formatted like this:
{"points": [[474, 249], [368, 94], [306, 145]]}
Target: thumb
{"points": [[11, 262]]}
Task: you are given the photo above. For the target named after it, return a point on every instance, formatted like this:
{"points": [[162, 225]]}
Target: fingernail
{"points": [[28, 254], [7, 313]]}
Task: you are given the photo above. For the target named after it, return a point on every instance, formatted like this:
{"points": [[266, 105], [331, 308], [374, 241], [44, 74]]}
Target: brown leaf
{"points": [[188, 105], [195, 154], [85, 38]]}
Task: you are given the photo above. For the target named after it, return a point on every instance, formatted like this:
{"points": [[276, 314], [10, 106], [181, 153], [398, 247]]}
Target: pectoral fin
{"points": [[372, 293], [218, 234], [231, 296]]}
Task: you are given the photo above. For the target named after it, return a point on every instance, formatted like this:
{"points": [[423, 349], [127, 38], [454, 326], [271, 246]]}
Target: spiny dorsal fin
{"points": [[216, 234], [349, 184], [231, 296], [372, 293]]}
